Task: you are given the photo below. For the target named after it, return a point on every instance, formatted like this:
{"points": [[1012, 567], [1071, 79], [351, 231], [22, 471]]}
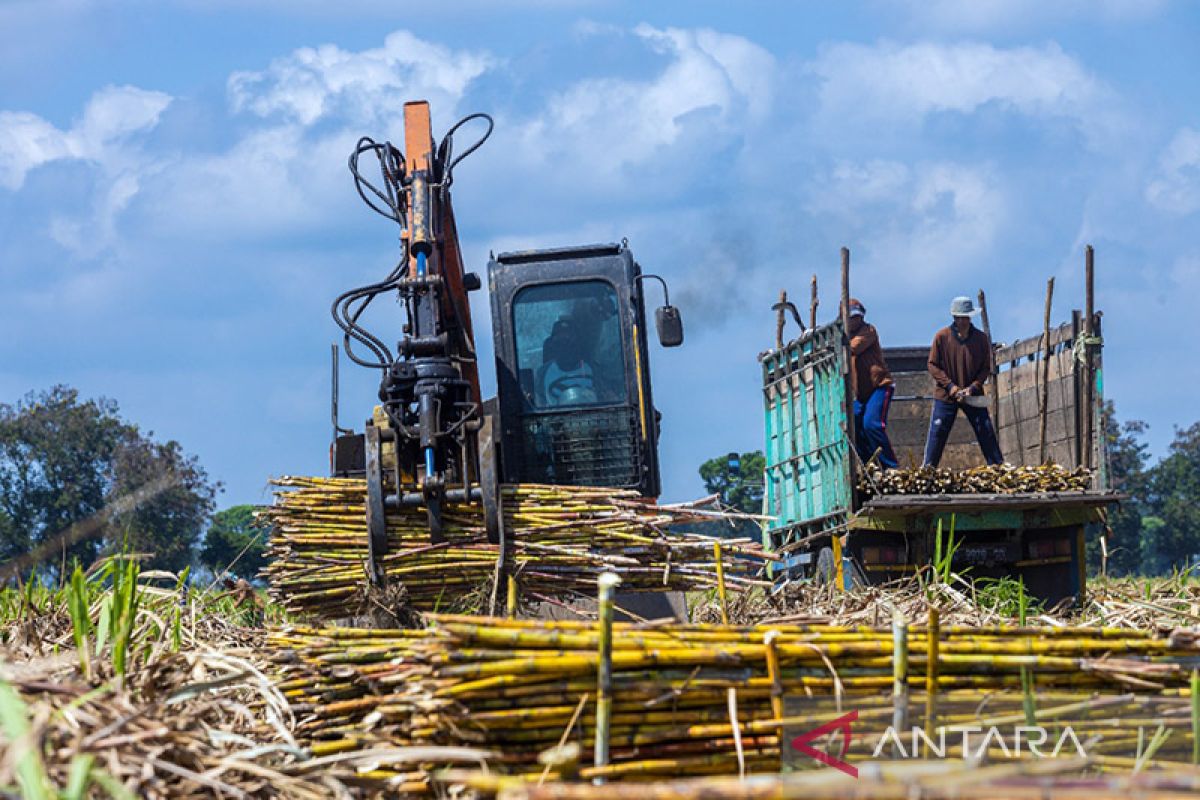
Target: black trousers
{"points": [[941, 422]]}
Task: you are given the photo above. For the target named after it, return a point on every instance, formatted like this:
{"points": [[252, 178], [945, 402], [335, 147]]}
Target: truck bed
{"points": [[1019, 501]]}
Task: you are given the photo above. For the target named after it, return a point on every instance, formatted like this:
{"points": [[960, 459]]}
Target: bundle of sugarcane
{"points": [[563, 538], [690, 699], [923, 779], [992, 479]]}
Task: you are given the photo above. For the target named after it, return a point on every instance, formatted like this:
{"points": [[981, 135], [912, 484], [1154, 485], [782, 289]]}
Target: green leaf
{"points": [[114, 787], [31, 773], [79, 777], [104, 622]]}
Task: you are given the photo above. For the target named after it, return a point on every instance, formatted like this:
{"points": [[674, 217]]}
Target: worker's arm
{"points": [[864, 339], [935, 367], [983, 371]]}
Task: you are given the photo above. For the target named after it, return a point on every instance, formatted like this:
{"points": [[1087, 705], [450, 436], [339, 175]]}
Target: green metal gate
{"points": [[808, 458]]}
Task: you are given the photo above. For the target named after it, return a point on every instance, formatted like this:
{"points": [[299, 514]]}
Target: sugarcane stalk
{"points": [[721, 582], [607, 582], [1194, 691], [932, 635], [773, 673], [899, 673], [1026, 673]]}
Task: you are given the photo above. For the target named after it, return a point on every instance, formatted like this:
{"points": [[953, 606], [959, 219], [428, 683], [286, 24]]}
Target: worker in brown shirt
{"points": [[960, 361], [873, 387]]}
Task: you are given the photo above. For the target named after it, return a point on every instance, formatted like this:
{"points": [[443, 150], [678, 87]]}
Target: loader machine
{"points": [[573, 404]]}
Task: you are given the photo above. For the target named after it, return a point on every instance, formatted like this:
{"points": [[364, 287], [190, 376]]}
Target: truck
{"points": [[824, 528]]}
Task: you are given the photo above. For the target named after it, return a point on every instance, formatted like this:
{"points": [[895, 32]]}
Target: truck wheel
{"points": [[824, 572]]}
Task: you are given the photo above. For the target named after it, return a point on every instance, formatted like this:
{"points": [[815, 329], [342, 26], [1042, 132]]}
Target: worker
{"points": [[873, 387], [568, 378], [960, 361]]}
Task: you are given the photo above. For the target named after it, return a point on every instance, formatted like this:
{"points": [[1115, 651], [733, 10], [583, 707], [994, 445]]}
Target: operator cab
{"points": [[572, 367]]}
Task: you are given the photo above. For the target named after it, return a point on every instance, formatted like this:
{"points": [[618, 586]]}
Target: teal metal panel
{"points": [[808, 467]]}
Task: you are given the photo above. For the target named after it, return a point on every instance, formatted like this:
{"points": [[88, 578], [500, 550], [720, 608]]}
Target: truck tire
{"points": [[824, 572]]}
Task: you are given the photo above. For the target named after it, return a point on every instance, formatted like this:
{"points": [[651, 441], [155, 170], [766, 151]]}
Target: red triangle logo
{"points": [[842, 723]]}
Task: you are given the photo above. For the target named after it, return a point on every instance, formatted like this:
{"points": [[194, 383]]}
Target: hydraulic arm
{"points": [[422, 446]]}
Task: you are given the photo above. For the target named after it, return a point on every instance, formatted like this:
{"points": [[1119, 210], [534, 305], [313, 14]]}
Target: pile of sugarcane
{"points": [[712, 700], [899, 780], [563, 537], [992, 479]]}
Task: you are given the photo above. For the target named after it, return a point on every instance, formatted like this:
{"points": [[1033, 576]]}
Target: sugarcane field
{"points": [[299, 502]]}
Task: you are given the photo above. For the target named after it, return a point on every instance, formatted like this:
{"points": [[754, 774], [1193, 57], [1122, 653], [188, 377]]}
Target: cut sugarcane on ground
{"points": [[1158, 604], [520, 687], [199, 710], [912, 780], [563, 537]]}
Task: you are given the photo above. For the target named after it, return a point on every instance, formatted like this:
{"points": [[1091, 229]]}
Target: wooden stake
{"points": [[851, 433], [1089, 375], [995, 390], [845, 309], [1044, 403], [812, 304], [779, 319]]}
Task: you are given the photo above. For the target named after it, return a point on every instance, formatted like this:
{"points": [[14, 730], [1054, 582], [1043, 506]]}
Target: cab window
{"points": [[569, 348]]}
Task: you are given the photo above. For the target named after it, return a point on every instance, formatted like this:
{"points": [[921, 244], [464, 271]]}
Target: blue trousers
{"points": [[941, 421], [870, 425]]}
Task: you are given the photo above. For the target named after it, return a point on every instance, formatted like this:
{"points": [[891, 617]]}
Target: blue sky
{"points": [[176, 215]]}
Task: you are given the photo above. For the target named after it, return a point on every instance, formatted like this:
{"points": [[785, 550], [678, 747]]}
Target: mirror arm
{"points": [[659, 278]]}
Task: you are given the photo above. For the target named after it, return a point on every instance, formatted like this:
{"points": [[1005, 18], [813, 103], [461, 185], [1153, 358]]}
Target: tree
{"points": [[1174, 492], [1127, 458], [169, 524], [55, 454], [738, 479], [64, 460], [233, 531]]}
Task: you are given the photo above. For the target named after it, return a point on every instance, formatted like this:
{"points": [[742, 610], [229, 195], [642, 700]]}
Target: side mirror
{"points": [[670, 326]]}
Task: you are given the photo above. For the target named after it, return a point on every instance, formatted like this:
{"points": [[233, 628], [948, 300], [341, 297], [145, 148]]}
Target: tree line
{"points": [[1156, 530], [78, 481], [69, 464]]}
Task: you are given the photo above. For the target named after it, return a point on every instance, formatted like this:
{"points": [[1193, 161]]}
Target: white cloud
{"points": [[852, 186], [994, 15], [917, 224], [274, 179], [27, 141], [1176, 188], [112, 114], [321, 82], [714, 86], [868, 87]]}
